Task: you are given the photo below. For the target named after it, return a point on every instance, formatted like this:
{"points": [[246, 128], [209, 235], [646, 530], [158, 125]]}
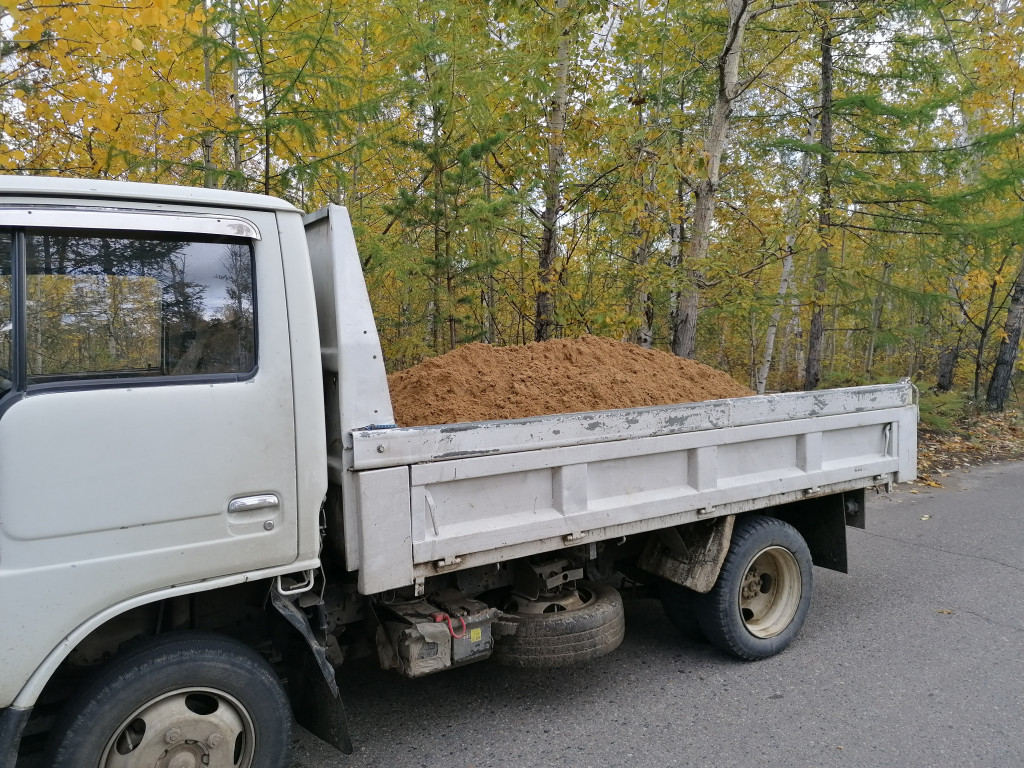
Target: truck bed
{"points": [[419, 501], [430, 499]]}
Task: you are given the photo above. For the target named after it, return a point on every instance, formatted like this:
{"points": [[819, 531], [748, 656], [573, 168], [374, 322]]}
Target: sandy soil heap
{"points": [[479, 381]]}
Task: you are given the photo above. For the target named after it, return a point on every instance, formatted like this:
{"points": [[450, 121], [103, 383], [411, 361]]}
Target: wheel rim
{"points": [[187, 728], [564, 599], [770, 592]]}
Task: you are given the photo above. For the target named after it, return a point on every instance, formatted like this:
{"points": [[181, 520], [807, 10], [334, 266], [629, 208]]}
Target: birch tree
{"points": [[705, 188]]}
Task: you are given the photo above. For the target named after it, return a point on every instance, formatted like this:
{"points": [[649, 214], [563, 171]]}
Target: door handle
{"points": [[253, 503]]}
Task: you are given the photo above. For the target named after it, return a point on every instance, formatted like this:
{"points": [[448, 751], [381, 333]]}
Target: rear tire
{"points": [[177, 699], [762, 595], [562, 638]]}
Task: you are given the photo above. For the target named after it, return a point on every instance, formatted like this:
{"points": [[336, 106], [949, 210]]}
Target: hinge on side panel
{"points": [[882, 483], [449, 562]]}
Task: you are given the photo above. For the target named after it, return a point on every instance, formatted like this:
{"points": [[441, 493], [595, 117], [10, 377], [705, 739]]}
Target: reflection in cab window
{"points": [[116, 304]]}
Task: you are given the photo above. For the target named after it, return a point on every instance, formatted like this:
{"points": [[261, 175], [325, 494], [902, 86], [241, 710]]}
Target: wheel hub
{"points": [[183, 760], [184, 729], [770, 592]]}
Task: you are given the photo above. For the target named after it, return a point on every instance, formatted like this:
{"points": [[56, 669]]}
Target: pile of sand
{"points": [[479, 381]]}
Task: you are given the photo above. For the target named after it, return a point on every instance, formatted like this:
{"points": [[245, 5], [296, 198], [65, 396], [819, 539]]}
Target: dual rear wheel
{"points": [[755, 610], [762, 595]]}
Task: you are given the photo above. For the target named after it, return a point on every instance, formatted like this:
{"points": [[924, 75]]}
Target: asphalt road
{"points": [[915, 658]]}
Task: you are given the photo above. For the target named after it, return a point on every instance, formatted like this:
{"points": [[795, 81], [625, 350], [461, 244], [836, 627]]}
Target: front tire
{"points": [[180, 699], [762, 595]]}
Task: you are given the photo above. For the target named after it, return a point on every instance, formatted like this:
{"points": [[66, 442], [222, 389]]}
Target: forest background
{"points": [[798, 192]]}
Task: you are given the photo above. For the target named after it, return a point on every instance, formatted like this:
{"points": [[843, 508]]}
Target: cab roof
{"points": [[127, 191]]}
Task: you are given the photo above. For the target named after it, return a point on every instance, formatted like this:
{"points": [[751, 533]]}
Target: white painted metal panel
{"points": [[392, 447], [80, 217], [126, 194], [107, 494], [551, 543], [356, 386], [307, 385], [385, 537], [905, 438], [485, 506]]}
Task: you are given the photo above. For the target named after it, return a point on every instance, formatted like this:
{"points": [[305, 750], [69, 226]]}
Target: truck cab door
{"points": [[147, 424]]}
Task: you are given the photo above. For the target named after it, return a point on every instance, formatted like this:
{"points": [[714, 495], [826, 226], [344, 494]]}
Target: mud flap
{"points": [[12, 725], [316, 701], [822, 522], [689, 555]]}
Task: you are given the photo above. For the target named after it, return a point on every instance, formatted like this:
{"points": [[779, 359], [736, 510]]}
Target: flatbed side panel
{"points": [[463, 507], [805, 434], [385, 537], [393, 447], [906, 441], [646, 525]]}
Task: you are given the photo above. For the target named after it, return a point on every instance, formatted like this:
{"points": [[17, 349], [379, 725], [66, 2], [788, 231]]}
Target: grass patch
{"points": [[944, 412]]}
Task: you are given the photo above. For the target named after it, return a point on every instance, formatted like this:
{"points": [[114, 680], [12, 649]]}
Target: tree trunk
{"points": [[677, 230], [544, 323], [684, 331], [489, 297], [209, 169], [816, 335], [236, 99], [773, 325], [984, 330], [1006, 358], [644, 334], [947, 367], [792, 221], [439, 266], [641, 301], [876, 318]]}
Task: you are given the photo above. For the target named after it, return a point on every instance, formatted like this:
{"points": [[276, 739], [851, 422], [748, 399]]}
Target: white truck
{"points": [[205, 505]]}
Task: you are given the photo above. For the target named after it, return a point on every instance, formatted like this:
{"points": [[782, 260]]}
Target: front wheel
{"points": [[763, 593], [181, 700]]}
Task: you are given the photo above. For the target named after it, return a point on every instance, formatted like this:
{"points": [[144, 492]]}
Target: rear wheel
{"points": [[762, 595], [181, 700]]}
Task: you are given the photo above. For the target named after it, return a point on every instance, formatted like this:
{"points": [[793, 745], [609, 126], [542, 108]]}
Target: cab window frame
{"points": [[20, 223]]}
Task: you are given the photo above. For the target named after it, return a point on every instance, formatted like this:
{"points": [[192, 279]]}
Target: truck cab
{"points": [[161, 408]]}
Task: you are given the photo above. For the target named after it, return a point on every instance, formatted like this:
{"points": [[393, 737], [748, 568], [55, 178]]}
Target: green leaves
{"points": [[435, 122]]}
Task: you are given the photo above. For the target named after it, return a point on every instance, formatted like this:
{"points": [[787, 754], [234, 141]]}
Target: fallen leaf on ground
{"points": [[974, 440]]}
